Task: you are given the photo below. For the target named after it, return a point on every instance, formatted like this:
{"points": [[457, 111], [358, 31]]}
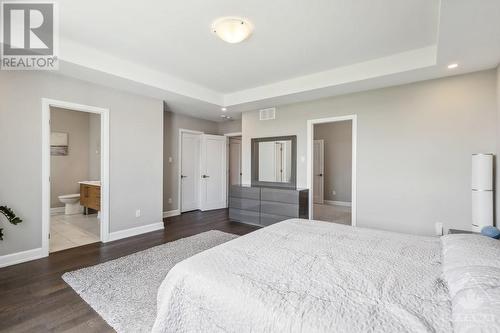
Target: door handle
{"points": [[182, 176], [205, 176], [320, 175]]}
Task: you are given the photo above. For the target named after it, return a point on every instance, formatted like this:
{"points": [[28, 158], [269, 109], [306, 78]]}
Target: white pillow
{"points": [[471, 269]]}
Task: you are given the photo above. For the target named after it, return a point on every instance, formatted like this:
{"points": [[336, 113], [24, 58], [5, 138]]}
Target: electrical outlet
{"points": [[169, 200], [137, 213]]}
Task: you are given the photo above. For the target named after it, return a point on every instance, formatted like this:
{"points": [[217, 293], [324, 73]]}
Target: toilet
{"points": [[71, 203]]}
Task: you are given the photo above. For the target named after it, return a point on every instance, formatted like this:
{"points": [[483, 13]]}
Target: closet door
{"points": [[213, 172], [190, 171]]}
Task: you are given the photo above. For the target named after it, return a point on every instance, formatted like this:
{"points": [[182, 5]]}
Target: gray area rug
{"points": [[123, 291]]}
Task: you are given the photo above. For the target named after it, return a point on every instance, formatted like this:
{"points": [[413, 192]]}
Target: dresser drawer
{"points": [[280, 195], [279, 208], [244, 204], [247, 216], [244, 192]]}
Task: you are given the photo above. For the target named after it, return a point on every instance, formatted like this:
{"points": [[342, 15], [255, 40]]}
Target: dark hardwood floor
{"points": [[34, 298]]}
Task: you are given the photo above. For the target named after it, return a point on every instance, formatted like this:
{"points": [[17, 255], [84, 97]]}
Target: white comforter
{"points": [[309, 276]]}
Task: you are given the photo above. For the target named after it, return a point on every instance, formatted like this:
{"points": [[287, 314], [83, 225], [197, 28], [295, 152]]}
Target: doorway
{"points": [[234, 158], [331, 169], [234, 162], [75, 169]]}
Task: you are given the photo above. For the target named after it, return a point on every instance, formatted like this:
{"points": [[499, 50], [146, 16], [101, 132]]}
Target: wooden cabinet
{"points": [[90, 196]]}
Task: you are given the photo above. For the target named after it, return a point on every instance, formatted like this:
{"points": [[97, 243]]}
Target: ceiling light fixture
{"points": [[232, 29], [223, 109], [223, 116], [451, 66]]}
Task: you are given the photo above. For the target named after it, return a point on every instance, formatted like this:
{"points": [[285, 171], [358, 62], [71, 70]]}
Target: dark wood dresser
{"points": [[267, 205]]}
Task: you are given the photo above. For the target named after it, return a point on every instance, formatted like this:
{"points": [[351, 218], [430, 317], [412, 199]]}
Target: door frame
{"points": [[310, 140], [179, 166], [46, 128], [322, 145]]}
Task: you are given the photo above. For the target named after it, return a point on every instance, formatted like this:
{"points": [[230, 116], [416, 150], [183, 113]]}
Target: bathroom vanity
{"points": [[90, 195]]}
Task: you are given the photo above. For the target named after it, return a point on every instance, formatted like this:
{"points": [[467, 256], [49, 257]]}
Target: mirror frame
{"points": [[255, 162]]}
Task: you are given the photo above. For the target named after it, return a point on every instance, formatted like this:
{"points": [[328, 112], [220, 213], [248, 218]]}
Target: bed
{"points": [[313, 276]]}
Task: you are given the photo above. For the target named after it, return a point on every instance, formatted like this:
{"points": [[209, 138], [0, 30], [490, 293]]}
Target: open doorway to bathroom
{"points": [[332, 169], [75, 159], [76, 165]]}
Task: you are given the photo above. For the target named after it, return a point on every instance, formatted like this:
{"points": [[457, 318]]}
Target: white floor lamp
{"points": [[482, 191]]}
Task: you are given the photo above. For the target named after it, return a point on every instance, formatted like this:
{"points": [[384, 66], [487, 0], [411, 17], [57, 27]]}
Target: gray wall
{"points": [[414, 147], [231, 126], [66, 171], [136, 161], [337, 138]]}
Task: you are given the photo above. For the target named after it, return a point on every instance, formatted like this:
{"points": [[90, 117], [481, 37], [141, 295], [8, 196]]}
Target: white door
{"points": [[318, 167], [234, 161], [190, 171], [213, 172]]}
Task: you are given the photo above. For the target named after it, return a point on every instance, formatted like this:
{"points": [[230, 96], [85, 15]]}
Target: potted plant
{"points": [[11, 217]]}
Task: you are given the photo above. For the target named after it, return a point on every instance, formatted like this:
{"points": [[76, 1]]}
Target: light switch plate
{"points": [[138, 213]]}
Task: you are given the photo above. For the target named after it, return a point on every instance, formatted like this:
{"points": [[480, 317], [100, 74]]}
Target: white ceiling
{"points": [[299, 50]]}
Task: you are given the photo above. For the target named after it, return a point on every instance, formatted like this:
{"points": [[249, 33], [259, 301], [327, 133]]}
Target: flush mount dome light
{"points": [[232, 29]]}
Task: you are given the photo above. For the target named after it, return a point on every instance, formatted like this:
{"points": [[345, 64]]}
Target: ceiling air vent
{"points": [[267, 114]]}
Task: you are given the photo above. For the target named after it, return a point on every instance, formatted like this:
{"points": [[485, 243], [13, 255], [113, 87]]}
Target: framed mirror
{"points": [[274, 161]]}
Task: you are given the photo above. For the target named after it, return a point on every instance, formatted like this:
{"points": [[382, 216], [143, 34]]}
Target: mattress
{"points": [[309, 276]]}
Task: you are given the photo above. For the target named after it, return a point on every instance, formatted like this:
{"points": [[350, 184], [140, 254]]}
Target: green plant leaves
{"points": [[11, 217]]}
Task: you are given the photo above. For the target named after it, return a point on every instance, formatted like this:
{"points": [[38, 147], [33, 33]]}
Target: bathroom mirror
{"points": [[274, 161]]}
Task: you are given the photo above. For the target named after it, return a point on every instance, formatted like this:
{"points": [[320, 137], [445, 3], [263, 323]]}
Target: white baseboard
{"points": [[19, 257], [57, 210], [337, 203], [171, 213], [134, 231]]}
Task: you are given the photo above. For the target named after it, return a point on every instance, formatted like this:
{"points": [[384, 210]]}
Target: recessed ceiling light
{"points": [[223, 116], [451, 66], [223, 109], [232, 29]]}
